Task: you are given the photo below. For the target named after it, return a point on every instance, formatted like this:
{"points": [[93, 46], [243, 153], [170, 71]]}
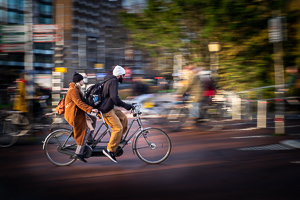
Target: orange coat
{"points": [[75, 110]]}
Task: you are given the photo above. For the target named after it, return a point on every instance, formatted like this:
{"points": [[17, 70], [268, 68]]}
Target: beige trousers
{"points": [[91, 124], [118, 122]]}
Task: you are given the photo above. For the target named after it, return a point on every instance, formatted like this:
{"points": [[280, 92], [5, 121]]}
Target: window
{"points": [[12, 17], [12, 3], [46, 9], [3, 15], [48, 21]]}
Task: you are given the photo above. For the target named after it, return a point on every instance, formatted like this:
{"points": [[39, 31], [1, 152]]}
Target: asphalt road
{"points": [[238, 162]]}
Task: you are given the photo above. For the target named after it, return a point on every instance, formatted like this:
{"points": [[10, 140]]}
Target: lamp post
{"points": [[213, 48]]}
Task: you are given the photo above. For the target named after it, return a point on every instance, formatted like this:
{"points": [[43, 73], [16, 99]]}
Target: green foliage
{"points": [[241, 27]]}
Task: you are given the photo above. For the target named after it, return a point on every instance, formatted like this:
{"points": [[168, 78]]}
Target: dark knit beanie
{"points": [[77, 77]]}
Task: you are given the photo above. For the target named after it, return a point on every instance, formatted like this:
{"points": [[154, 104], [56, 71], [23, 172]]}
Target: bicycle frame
{"points": [[139, 129]]}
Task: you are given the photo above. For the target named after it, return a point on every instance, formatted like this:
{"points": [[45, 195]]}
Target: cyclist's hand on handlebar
{"points": [[95, 110], [133, 105], [128, 106]]}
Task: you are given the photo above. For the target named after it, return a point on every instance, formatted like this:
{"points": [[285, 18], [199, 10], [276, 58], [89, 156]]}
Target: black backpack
{"points": [[92, 95]]}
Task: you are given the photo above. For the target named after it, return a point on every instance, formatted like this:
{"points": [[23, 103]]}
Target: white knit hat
{"points": [[118, 71]]}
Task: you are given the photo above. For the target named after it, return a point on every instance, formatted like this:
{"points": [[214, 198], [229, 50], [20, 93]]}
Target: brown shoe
{"points": [[79, 157]]}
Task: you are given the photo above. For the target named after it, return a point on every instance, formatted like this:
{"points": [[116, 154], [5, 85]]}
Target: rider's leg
{"points": [[194, 111], [80, 148], [123, 118], [193, 116], [91, 121], [91, 124], [117, 130]]}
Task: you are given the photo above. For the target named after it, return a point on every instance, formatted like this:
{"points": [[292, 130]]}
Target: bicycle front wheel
{"points": [[59, 147], [176, 118], [152, 145]]}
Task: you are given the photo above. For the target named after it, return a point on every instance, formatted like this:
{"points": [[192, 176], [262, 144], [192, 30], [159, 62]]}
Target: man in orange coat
{"points": [[75, 114]]}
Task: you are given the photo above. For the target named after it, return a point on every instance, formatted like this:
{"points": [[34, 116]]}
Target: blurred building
{"points": [[94, 41], [87, 36], [12, 13], [15, 38], [134, 6]]}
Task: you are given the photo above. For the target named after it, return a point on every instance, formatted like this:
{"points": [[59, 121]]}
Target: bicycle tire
{"points": [[211, 119], [59, 146], [152, 145], [8, 134], [176, 118]]}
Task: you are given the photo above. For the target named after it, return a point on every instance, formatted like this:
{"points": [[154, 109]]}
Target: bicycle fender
{"points": [[68, 130]]}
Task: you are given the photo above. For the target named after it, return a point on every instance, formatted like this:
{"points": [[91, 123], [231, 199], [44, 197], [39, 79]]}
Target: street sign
{"points": [[6, 39], [46, 37], [277, 29], [12, 48], [14, 28], [91, 75], [61, 69], [98, 65], [45, 28]]}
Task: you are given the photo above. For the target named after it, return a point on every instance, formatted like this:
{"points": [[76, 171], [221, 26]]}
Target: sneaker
{"points": [[79, 157], [110, 155]]}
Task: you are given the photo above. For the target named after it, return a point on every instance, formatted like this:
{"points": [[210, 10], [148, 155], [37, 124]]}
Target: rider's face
{"points": [[121, 78], [81, 83]]}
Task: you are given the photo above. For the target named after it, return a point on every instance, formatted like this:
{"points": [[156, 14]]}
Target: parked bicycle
{"points": [[151, 145]]}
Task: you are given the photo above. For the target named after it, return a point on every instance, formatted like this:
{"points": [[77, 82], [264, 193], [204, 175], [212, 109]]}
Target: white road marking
{"points": [[266, 147], [251, 136]]}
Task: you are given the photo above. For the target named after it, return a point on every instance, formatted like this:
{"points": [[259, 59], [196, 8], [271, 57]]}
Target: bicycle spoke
{"points": [[59, 147], [153, 146]]}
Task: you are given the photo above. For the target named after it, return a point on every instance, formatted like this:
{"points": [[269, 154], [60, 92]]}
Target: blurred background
{"points": [[249, 49]]}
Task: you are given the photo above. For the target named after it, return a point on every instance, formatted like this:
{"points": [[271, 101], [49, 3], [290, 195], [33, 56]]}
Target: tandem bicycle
{"points": [[151, 145]]}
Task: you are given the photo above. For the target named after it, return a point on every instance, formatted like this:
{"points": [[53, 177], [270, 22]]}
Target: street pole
{"points": [[57, 75], [276, 37], [214, 48], [279, 82], [28, 56]]}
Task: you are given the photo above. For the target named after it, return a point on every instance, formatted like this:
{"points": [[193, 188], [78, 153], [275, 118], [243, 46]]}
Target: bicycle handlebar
{"points": [[135, 109]]}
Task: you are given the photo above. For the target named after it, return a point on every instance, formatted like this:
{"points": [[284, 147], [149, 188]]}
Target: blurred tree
{"points": [[241, 27], [156, 30]]}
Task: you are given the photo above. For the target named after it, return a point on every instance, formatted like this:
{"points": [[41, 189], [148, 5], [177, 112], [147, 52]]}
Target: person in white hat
{"points": [[114, 117]]}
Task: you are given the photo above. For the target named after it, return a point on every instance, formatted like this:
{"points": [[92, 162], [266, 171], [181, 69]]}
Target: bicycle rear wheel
{"points": [[152, 145], [211, 119], [59, 146], [8, 132]]}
